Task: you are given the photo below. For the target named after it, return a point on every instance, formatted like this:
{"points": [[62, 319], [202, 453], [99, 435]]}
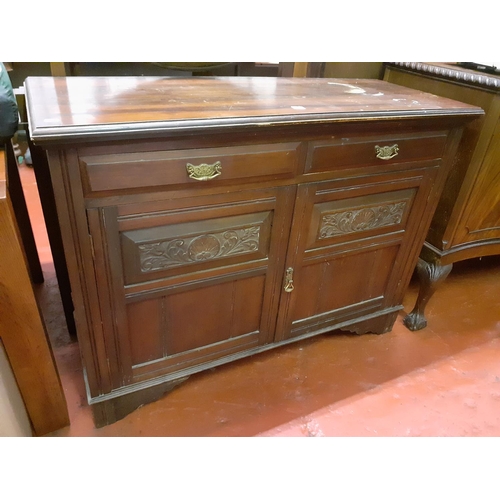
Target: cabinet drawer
{"points": [[349, 152], [190, 167]]}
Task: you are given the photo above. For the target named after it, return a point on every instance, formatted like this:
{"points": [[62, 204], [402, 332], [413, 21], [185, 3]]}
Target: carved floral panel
{"points": [[363, 219], [193, 249]]}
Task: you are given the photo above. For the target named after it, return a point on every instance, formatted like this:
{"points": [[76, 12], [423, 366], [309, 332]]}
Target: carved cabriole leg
{"points": [[430, 275]]}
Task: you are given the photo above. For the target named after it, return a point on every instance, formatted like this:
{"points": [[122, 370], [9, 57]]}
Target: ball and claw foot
{"points": [[415, 321], [430, 275]]}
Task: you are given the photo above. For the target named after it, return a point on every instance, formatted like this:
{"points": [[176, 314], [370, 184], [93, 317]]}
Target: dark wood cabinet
{"points": [[466, 223], [209, 219]]}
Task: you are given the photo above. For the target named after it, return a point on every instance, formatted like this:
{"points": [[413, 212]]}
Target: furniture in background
{"points": [[22, 330], [284, 69], [206, 220], [354, 70], [20, 208], [184, 69], [370, 70], [47, 201], [467, 219], [44, 186], [301, 69], [23, 340]]}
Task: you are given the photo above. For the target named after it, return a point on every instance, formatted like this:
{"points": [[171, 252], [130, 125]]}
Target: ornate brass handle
{"points": [[386, 152], [204, 172], [289, 280]]}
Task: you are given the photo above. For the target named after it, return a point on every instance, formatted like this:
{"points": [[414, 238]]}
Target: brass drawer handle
{"points": [[289, 280], [387, 152], [204, 172]]}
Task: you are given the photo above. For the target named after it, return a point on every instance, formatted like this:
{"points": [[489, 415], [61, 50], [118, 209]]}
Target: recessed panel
{"points": [[359, 217], [330, 284], [209, 315], [159, 251], [190, 321], [145, 320]]}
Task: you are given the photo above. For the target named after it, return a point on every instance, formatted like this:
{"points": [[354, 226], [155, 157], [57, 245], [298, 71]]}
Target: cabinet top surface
{"points": [[65, 109]]}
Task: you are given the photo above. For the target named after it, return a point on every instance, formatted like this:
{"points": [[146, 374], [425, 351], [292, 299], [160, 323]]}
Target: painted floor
{"points": [[441, 381]]}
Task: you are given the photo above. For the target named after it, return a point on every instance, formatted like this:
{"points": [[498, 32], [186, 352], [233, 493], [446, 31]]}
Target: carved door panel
{"points": [[348, 246], [191, 281]]}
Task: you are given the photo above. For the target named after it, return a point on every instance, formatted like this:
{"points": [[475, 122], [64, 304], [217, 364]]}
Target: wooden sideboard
{"points": [[467, 219], [209, 219]]}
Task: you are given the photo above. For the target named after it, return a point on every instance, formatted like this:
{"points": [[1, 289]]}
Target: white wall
{"points": [[14, 420]]}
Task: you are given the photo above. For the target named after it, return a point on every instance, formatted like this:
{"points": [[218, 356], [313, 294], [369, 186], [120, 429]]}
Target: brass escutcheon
{"points": [[386, 152], [204, 172], [289, 280]]}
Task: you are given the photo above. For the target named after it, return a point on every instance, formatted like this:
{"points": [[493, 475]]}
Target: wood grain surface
{"points": [[74, 108]]}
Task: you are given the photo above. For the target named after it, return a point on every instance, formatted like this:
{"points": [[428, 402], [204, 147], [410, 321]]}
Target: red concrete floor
{"points": [[441, 381]]}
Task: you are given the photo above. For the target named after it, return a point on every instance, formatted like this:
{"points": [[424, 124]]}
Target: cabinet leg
{"points": [[430, 275]]}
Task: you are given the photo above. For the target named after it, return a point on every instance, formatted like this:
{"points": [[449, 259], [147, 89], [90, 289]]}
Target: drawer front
{"points": [[383, 150], [191, 167]]}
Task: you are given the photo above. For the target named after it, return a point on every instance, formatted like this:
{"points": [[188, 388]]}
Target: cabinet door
{"points": [[185, 283], [352, 249]]}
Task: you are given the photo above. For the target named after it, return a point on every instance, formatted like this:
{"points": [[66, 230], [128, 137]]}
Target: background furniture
{"points": [[44, 186], [205, 220], [18, 202], [47, 201], [22, 330], [467, 220]]}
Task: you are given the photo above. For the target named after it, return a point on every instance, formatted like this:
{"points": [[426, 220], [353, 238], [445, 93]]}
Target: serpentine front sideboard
{"points": [[466, 223], [209, 219]]}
